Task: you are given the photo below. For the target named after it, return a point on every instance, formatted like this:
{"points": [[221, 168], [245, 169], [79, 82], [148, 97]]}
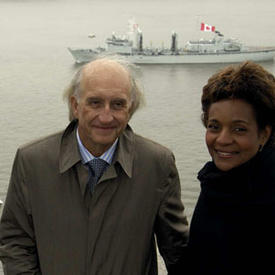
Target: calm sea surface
{"points": [[35, 67]]}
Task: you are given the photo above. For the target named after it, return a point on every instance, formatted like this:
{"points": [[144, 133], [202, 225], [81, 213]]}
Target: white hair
{"points": [[74, 89]]}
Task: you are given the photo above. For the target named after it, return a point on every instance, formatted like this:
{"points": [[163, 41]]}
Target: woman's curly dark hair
{"points": [[247, 81]]}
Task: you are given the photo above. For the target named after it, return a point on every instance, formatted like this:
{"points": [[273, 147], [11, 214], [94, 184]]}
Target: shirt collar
{"points": [[86, 156], [70, 152]]}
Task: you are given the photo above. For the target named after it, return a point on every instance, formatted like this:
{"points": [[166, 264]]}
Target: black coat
{"points": [[233, 226]]}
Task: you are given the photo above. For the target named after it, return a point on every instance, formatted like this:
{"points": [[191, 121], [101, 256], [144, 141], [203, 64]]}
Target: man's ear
{"points": [[74, 106]]}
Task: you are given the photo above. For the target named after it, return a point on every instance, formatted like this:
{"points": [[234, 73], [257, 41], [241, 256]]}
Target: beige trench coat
{"points": [[52, 225]]}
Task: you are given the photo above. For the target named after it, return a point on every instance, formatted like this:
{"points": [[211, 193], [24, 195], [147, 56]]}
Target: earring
{"points": [[260, 148]]}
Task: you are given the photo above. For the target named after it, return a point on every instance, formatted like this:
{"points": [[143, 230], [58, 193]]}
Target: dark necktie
{"points": [[96, 169]]}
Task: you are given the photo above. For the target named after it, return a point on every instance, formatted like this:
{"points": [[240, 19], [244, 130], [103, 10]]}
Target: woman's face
{"points": [[232, 134]]}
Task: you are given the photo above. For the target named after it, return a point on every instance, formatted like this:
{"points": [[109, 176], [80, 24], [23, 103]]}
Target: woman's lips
{"points": [[225, 154]]}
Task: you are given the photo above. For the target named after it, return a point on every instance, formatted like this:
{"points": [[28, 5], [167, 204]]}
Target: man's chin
{"points": [[104, 132], [105, 139]]}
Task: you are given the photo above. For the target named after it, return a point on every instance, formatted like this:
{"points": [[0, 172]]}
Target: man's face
{"points": [[103, 107]]}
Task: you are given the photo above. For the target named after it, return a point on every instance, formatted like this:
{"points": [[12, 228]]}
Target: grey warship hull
{"points": [[260, 54], [216, 50]]}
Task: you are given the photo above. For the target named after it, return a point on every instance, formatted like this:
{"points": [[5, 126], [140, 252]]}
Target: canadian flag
{"points": [[207, 28]]}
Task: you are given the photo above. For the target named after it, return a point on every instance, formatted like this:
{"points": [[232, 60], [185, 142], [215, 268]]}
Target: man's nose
{"points": [[105, 115]]}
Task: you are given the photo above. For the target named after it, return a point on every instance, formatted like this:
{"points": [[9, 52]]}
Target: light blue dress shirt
{"points": [[87, 156]]}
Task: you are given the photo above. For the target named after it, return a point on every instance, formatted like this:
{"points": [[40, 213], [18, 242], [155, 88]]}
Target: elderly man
{"points": [[91, 199]]}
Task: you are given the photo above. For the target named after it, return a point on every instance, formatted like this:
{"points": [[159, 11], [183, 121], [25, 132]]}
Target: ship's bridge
{"points": [[119, 45]]}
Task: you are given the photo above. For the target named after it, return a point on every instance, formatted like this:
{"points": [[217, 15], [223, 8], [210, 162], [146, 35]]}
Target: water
{"points": [[36, 66]]}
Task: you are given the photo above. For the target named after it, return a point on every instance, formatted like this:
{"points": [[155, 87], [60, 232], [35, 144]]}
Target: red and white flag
{"points": [[207, 28]]}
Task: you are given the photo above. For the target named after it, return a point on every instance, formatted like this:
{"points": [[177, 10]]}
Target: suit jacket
{"points": [[52, 225]]}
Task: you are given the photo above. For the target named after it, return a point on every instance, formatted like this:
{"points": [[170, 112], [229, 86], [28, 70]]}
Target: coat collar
{"points": [[125, 151], [69, 152], [70, 155]]}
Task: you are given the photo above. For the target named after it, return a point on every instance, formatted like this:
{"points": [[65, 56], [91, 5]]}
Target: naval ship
{"points": [[216, 50]]}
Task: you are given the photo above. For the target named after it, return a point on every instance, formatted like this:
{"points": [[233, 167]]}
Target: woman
{"points": [[233, 226]]}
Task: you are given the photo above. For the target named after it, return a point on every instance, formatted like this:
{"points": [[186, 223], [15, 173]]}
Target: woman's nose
{"points": [[224, 137]]}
